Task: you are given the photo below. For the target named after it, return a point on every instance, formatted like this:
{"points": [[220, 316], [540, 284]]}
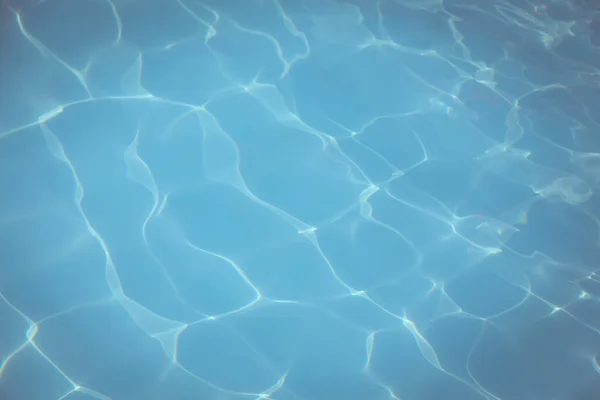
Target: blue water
{"points": [[299, 200]]}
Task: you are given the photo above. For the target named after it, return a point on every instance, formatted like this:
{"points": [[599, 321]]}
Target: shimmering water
{"points": [[299, 200]]}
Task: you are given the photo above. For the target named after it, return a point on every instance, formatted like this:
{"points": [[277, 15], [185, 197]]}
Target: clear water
{"points": [[299, 199]]}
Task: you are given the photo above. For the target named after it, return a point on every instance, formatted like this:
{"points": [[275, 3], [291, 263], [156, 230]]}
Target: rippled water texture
{"points": [[299, 200]]}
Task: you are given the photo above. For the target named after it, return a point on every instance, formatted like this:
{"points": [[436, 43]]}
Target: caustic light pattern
{"points": [[299, 199]]}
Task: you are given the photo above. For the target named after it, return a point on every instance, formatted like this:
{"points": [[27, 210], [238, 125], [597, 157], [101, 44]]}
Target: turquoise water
{"points": [[299, 200]]}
